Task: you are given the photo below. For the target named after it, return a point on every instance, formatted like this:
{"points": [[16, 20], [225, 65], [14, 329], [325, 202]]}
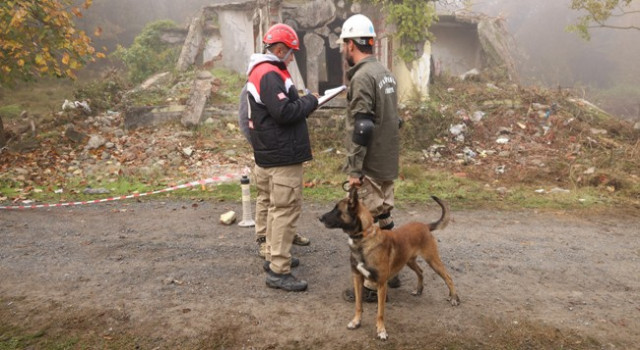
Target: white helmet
{"points": [[355, 27]]}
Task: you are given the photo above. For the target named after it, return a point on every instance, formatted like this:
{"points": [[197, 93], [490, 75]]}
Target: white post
{"points": [[247, 217]]}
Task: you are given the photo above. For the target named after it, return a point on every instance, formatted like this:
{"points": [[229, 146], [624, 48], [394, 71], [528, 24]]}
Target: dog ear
{"points": [[353, 198]]}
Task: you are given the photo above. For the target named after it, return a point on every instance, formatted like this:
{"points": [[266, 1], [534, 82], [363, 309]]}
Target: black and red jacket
{"points": [[277, 114]]}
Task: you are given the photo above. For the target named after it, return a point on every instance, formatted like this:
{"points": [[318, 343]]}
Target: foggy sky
{"points": [[547, 54], [553, 56]]}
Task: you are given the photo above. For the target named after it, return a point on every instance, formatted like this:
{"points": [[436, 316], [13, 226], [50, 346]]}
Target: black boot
{"points": [[285, 281], [394, 282], [384, 219], [368, 295]]}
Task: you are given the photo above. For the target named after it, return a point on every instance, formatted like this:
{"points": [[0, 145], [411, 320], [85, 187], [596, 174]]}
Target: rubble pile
{"points": [[511, 135], [98, 150], [503, 135]]}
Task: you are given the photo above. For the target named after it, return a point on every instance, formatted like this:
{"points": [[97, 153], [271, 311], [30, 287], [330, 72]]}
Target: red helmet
{"points": [[282, 33]]}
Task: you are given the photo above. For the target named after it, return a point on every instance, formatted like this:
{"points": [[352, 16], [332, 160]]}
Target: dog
{"points": [[378, 255]]}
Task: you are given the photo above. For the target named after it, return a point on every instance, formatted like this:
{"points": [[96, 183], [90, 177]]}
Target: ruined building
{"points": [[226, 34]]}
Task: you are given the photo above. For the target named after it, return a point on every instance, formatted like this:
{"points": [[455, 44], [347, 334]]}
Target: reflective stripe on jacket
{"points": [[278, 116]]}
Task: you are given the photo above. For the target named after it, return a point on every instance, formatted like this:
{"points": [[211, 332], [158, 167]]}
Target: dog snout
{"points": [[325, 219], [328, 220]]}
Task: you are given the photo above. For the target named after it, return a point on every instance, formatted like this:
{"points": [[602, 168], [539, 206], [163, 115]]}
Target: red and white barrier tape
{"points": [[135, 195]]}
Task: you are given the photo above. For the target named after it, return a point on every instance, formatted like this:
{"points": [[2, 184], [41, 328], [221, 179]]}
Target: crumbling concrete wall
{"points": [[469, 42], [236, 33], [498, 48], [226, 34], [413, 78], [456, 48]]}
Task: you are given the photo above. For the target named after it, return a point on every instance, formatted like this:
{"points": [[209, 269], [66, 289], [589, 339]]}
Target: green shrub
{"points": [[149, 54], [424, 124], [104, 94]]}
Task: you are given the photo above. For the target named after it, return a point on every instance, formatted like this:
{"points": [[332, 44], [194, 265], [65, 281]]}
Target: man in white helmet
{"points": [[372, 130]]}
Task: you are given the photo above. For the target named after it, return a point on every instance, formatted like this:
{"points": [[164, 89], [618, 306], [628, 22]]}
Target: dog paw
{"points": [[382, 335], [416, 293], [454, 300], [353, 325]]}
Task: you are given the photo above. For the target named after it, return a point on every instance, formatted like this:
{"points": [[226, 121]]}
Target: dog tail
{"points": [[444, 219]]}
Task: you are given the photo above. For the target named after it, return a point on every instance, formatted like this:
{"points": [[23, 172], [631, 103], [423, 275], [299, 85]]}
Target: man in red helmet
{"points": [[280, 139]]}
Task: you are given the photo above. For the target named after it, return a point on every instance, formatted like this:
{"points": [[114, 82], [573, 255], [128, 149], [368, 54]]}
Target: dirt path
{"points": [[167, 271]]}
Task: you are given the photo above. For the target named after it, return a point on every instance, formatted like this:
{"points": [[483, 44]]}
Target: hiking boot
{"points": [[368, 295], [262, 247], [285, 281], [295, 262], [394, 282], [300, 240]]}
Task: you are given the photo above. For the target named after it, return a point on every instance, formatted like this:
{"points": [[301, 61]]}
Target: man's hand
{"points": [[354, 181], [308, 92]]}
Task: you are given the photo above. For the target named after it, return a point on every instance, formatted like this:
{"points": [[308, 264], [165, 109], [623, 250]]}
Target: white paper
{"points": [[329, 94]]}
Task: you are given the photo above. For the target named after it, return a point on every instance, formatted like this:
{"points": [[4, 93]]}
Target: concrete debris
{"points": [[156, 79], [76, 105], [477, 116], [468, 152], [457, 129], [595, 131], [100, 190], [200, 93], [470, 74], [502, 140], [539, 106], [187, 151], [228, 218], [95, 141]]}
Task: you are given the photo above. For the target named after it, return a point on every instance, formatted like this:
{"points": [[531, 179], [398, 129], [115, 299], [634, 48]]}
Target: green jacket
{"points": [[373, 90]]}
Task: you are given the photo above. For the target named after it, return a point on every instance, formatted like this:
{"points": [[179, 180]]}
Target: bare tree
{"points": [[611, 14]]}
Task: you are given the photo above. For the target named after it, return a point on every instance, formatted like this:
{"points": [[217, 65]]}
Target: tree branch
{"points": [[609, 26]]}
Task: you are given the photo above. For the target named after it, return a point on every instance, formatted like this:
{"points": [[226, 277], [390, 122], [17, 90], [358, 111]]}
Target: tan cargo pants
{"points": [[378, 197], [280, 190], [261, 180]]}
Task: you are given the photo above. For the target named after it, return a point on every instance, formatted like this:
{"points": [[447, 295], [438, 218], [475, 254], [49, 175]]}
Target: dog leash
{"points": [[346, 187]]}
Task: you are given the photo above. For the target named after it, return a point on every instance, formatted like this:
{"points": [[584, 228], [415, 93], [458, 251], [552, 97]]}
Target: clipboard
{"points": [[329, 94]]}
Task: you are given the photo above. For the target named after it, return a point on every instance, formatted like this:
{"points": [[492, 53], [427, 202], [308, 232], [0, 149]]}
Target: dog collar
{"points": [[358, 236], [361, 234]]}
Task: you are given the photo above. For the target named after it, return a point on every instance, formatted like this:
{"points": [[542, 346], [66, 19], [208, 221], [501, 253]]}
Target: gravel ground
{"points": [[170, 270]]}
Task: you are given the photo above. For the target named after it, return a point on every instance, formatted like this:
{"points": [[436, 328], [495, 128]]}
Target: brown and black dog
{"points": [[378, 254]]}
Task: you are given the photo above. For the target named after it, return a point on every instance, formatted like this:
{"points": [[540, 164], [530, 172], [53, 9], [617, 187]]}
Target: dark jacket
{"points": [[277, 115], [373, 91]]}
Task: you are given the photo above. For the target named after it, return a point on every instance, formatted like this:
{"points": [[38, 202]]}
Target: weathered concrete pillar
{"points": [[314, 44], [192, 43], [200, 93]]}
